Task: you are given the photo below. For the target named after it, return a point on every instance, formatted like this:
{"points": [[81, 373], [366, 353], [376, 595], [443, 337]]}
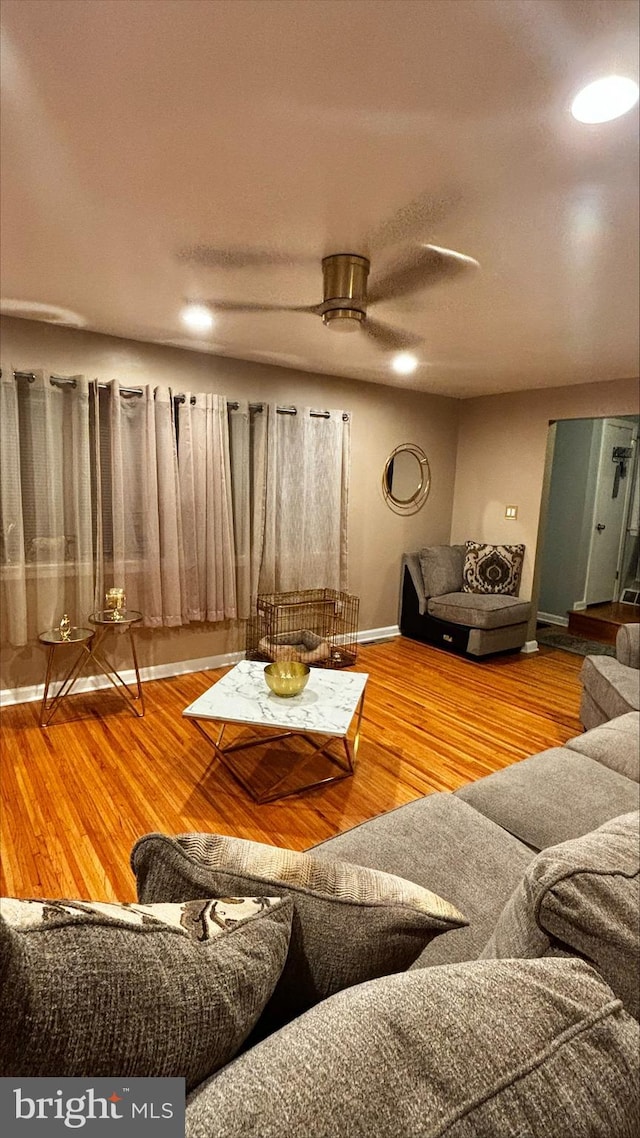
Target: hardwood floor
{"points": [[75, 797]]}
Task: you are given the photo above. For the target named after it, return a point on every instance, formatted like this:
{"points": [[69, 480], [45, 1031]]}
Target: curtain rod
{"points": [[232, 405]]}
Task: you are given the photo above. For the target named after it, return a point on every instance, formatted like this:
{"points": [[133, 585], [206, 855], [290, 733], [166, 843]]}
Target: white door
{"points": [[609, 513]]}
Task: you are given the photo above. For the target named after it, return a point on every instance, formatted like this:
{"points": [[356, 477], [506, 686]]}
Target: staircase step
{"points": [[601, 622]]}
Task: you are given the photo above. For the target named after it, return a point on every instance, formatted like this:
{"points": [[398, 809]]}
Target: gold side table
{"points": [[122, 622], [53, 639]]}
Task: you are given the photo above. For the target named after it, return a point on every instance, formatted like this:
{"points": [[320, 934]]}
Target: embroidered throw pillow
{"points": [[350, 923], [92, 989], [492, 568]]}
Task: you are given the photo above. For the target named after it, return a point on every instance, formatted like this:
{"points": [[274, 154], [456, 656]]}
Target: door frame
{"points": [[617, 422]]}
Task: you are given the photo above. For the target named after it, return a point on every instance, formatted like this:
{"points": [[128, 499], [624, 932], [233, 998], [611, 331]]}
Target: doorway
{"points": [[590, 528]]}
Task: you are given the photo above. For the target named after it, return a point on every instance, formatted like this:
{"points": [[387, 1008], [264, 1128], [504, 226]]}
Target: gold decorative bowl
{"points": [[287, 677]]}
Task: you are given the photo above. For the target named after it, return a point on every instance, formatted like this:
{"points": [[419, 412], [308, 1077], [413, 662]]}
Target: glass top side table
{"points": [[54, 639], [122, 621]]}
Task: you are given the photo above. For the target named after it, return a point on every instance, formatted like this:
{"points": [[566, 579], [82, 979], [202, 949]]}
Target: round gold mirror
{"points": [[406, 479]]}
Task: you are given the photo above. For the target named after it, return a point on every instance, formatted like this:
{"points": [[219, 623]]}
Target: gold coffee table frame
{"points": [[245, 681]]}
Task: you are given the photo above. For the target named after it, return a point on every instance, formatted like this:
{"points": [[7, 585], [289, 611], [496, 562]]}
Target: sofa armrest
{"points": [[628, 645], [412, 563]]}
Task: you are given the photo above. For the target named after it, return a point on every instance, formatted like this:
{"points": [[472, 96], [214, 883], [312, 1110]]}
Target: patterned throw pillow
{"points": [[94, 989], [492, 568], [350, 923]]}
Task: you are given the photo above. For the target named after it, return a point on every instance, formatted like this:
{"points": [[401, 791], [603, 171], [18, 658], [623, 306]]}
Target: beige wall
{"points": [[502, 445], [383, 417]]}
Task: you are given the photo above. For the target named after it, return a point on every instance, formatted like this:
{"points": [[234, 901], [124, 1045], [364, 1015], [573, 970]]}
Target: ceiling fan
{"points": [[346, 299]]}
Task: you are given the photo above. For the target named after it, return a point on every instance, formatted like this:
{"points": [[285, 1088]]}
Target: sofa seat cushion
{"points": [[615, 744], [491, 1049], [477, 610], [441, 840], [613, 687], [584, 895], [90, 989], [349, 923], [552, 797]]}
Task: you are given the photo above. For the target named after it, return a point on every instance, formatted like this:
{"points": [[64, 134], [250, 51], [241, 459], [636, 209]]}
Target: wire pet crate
{"points": [[315, 626]]}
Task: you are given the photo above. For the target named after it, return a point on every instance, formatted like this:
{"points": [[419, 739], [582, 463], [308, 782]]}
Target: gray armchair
{"points": [[611, 686]]}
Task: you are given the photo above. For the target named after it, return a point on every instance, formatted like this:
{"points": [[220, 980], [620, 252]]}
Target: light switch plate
{"points": [[511, 512]]}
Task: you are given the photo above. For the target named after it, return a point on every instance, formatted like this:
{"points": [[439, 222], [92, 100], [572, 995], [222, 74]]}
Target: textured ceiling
{"points": [[265, 135]]}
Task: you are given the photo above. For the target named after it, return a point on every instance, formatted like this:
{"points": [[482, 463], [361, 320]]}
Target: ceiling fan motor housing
{"points": [[345, 291]]}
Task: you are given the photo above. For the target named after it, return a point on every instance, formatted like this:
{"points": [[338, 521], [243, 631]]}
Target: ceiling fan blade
{"points": [[415, 220], [421, 268], [212, 258], [240, 306], [387, 337]]}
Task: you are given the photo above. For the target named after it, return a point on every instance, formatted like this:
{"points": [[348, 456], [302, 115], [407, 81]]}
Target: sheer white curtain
{"points": [[207, 510], [248, 453], [139, 520], [306, 501], [47, 562], [96, 490]]}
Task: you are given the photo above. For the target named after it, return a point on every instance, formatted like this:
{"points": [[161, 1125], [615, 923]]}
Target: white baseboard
{"points": [[34, 692], [553, 618], [530, 646], [371, 635], [579, 606]]}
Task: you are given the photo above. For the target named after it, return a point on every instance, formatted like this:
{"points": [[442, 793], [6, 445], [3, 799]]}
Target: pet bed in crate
{"points": [[301, 645]]}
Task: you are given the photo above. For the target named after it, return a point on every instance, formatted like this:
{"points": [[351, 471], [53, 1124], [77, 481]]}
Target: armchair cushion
{"points": [[441, 567], [479, 611]]}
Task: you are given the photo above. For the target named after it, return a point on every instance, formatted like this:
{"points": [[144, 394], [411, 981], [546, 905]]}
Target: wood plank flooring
{"points": [[75, 797]]}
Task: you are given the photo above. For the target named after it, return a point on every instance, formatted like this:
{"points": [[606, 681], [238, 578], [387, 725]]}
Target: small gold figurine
{"points": [[65, 627]]}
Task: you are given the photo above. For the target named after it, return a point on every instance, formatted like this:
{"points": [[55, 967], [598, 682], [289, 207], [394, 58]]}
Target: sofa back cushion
{"points": [[615, 744], [90, 989], [492, 568], [582, 896], [490, 1049], [441, 567], [350, 923]]}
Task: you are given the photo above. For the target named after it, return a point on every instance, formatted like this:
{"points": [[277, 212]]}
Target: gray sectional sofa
{"points": [[488, 987], [367, 1061], [611, 686], [543, 859]]}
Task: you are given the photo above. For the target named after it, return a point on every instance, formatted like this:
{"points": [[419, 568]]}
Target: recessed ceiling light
{"points": [[605, 99], [404, 363], [197, 317]]}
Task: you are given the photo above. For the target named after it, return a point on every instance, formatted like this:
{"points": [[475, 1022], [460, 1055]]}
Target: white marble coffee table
{"points": [[326, 708]]}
